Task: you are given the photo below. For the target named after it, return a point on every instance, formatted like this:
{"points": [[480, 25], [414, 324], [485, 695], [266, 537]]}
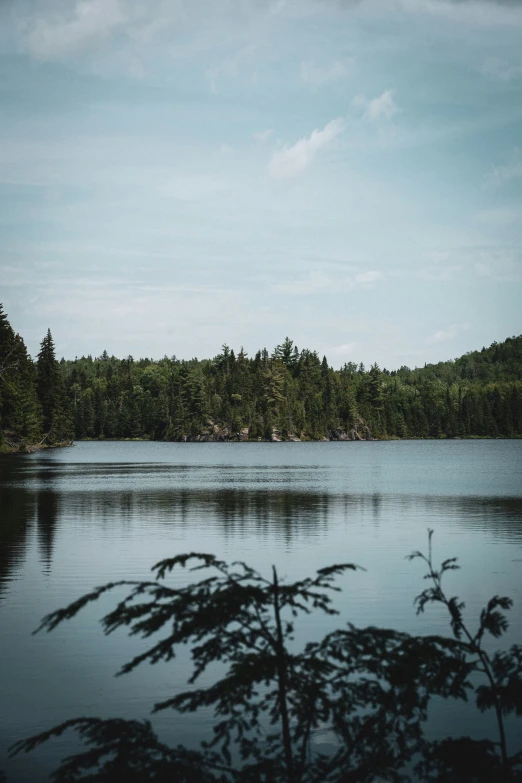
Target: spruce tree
{"points": [[19, 409], [6, 344], [7, 370], [48, 381], [56, 417]]}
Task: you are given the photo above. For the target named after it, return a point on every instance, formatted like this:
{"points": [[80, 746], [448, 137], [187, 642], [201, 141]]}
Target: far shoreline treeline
{"points": [[287, 395]]}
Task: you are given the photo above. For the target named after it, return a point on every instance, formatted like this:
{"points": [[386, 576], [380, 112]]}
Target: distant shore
{"points": [[301, 440], [31, 448]]}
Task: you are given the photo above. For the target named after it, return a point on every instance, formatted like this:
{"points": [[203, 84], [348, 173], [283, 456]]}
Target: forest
{"points": [[288, 394]]}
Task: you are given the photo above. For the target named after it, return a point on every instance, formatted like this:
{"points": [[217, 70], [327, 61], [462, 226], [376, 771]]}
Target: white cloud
{"points": [[291, 161], [447, 334], [52, 37], [58, 29], [382, 107], [320, 75], [511, 170], [126, 35]]}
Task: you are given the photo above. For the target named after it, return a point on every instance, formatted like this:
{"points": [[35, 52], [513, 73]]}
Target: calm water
{"points": [[74, 518]]}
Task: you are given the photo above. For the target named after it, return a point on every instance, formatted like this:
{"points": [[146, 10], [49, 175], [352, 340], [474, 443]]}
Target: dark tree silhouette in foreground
{"points": [[453, 759], [369, 687]]}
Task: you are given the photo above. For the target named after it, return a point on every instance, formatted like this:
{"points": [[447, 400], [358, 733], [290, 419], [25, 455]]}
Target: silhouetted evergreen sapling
{"points": [[369, 687]]}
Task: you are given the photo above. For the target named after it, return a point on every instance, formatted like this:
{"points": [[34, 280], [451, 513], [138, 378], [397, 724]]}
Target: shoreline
{"points": [[31, 448], [302, 440]]}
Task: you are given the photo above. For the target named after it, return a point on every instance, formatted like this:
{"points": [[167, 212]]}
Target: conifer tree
{"points": [[48, 381], [19, 409], [56, 420]]}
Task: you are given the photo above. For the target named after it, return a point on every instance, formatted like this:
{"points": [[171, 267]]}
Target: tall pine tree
{"points": [[56, 419], [19, 408]]}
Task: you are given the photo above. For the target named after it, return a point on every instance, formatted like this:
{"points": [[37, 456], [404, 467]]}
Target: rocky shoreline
{"points": [[216, 433], [31, 448]]}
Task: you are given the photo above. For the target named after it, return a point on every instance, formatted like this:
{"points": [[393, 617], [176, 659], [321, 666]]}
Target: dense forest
{"points": [[289, 394], [34, 407]]}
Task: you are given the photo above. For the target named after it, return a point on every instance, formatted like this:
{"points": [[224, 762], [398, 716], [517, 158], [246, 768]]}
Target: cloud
{"points": [[291, 161], [59, 29], [60, 35], [511, 170], [446, 334], [123, 34], [320, 75], [381, 107]]}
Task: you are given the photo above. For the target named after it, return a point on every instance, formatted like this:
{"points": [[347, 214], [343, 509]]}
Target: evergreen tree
{"points": [[369, 688], [19, 409], [56, 419], [292, 391]]}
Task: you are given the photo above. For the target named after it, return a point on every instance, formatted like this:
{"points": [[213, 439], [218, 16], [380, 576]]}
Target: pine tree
{"points": [[287, 353], [51, 393], [19, 409], [48, 381]]}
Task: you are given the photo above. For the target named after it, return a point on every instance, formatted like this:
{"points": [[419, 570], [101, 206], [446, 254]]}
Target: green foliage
{"points": [[56, 420], [294, 393], [20, 412], [289, 394], [34, 407], [370, 687]]}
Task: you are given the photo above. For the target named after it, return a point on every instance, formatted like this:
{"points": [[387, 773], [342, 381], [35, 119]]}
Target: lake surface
{"points": [[75, 518]]}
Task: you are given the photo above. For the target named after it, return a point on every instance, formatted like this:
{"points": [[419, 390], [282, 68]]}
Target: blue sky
{"points": [[176, 175]]}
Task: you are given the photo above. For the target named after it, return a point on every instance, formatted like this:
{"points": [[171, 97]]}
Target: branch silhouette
{"points": [[369, 688]]}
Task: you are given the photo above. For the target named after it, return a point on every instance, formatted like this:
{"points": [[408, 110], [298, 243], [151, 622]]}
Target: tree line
{"points": [[288, 394], [34, 406]]}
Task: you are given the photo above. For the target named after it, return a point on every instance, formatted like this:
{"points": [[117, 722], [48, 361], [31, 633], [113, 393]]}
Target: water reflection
{"points": [[47, 507], [80, 523], [16, 516], [234, 512]]}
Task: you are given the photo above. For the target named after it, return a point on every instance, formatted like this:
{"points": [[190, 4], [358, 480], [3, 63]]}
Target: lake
{"points": [[71, 519]]}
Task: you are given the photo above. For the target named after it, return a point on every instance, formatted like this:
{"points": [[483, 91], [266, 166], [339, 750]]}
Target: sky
{"points": [[177, 175]]}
